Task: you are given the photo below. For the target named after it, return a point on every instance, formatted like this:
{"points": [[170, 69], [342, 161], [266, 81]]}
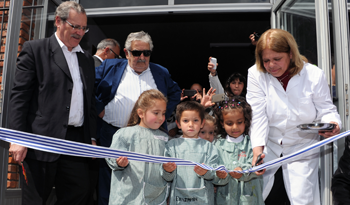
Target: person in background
{"points": [[119, 83], [135, 182], [209, 129], [107, 49], [235, 84], [284, 91], [53, 95]]}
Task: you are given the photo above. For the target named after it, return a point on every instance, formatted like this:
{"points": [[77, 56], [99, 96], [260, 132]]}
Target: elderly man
{"points": [[53, 95], [107, 49], [119, 83]]}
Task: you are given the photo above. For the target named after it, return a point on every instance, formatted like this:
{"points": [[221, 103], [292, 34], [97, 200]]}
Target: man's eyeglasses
{"points": [[115, 55], [137, 53], [83, 28]]}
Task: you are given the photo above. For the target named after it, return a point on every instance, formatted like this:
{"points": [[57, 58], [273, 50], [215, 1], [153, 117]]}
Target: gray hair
{"points": [[138, 36], [64, 8], [107, 42]]}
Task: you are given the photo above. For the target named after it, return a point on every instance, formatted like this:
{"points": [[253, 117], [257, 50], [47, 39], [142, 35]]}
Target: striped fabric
{"points": [[66, 147], [118, 110]]}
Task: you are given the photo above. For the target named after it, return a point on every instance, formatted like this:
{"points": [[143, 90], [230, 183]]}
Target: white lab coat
{"points": [[276, 114]]}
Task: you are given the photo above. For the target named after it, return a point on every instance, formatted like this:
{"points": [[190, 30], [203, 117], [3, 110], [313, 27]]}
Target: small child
{"points": [[136, 182], [190, 185], [208, 130], [236, 153]]}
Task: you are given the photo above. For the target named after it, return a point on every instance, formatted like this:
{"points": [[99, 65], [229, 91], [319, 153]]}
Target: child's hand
{"points": [[221, 174], [236, 175], [122, 161], [199, 170], [169, 167]]}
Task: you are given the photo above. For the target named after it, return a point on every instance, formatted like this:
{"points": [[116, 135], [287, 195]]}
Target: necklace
{"points": [[282, 79]]}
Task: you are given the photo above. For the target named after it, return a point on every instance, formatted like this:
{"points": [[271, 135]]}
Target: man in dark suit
{"points": [[53, 95], [119, 83], [107, 49]]}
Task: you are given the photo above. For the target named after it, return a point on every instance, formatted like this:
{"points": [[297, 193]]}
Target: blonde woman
{"points": [[284, 91]]}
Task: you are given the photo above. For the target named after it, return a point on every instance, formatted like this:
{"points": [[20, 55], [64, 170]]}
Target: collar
{"points": [[133, 71], [75, 49], [98, 57], [235, 140], [190, 138]]}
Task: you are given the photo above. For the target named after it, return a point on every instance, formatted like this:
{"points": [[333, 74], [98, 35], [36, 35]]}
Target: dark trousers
{"points": [[69, 175], [104, 185], [278, 194], [341, 178]]}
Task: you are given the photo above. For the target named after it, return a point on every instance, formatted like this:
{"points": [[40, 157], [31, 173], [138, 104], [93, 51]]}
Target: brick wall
{"points": [[13, 168]]}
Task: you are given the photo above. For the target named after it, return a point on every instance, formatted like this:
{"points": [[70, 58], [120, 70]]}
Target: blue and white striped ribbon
{"points": [[66, 147]]}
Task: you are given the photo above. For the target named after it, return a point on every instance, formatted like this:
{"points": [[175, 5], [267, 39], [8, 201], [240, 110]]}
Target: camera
{"points": [[256, 36]]}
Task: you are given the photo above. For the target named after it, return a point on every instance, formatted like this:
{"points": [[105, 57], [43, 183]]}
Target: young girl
{"points": [[140, 182], [208, 130], [236, 153]]}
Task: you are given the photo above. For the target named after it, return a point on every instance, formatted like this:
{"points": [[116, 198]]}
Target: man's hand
{"points": [[102, 113], [18, 152]]}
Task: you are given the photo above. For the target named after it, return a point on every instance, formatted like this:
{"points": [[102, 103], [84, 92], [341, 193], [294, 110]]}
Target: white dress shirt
{"points": [[99, 58], [118, 110], [76, 111]]}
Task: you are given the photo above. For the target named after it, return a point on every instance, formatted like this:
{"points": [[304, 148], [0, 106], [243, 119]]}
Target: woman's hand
{"points": [[252, 39], [330, 133], [122, 161], [206, 99], [197, 97], [182, 95], [256, 152], [169, 167], [211, 66], [236, 175]]}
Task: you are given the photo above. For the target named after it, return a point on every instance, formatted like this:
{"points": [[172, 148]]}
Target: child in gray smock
{"points": [[236, 153], [140, 182], [190, 185]]}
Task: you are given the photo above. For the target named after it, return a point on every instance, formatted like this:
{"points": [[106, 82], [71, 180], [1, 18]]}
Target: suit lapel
{"points": [[58, 56]]}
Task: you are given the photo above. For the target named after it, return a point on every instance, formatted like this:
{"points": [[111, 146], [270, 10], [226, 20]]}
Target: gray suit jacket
{"points": [[97, 61]]}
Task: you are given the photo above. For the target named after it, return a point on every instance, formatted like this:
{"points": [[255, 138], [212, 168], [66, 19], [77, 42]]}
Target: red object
{"points": [[24, 173]]}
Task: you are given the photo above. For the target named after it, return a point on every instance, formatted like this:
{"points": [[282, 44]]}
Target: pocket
{"points": [[307, 111], [191, 195], [154, 194], [247, 200], [222, 195]]}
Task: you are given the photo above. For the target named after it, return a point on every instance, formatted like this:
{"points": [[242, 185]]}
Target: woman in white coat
{"points": [[285, 91]]}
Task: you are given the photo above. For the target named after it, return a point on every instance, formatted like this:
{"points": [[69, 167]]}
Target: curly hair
{"points": [[233, 103]]}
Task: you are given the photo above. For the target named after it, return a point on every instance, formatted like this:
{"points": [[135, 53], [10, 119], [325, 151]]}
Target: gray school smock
{"points": [[139, 182], [187, 186], [246, 190]]}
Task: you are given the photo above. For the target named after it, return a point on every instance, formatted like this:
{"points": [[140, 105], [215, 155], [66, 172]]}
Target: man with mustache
{"points": [[53, 95], [119, 83]]}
